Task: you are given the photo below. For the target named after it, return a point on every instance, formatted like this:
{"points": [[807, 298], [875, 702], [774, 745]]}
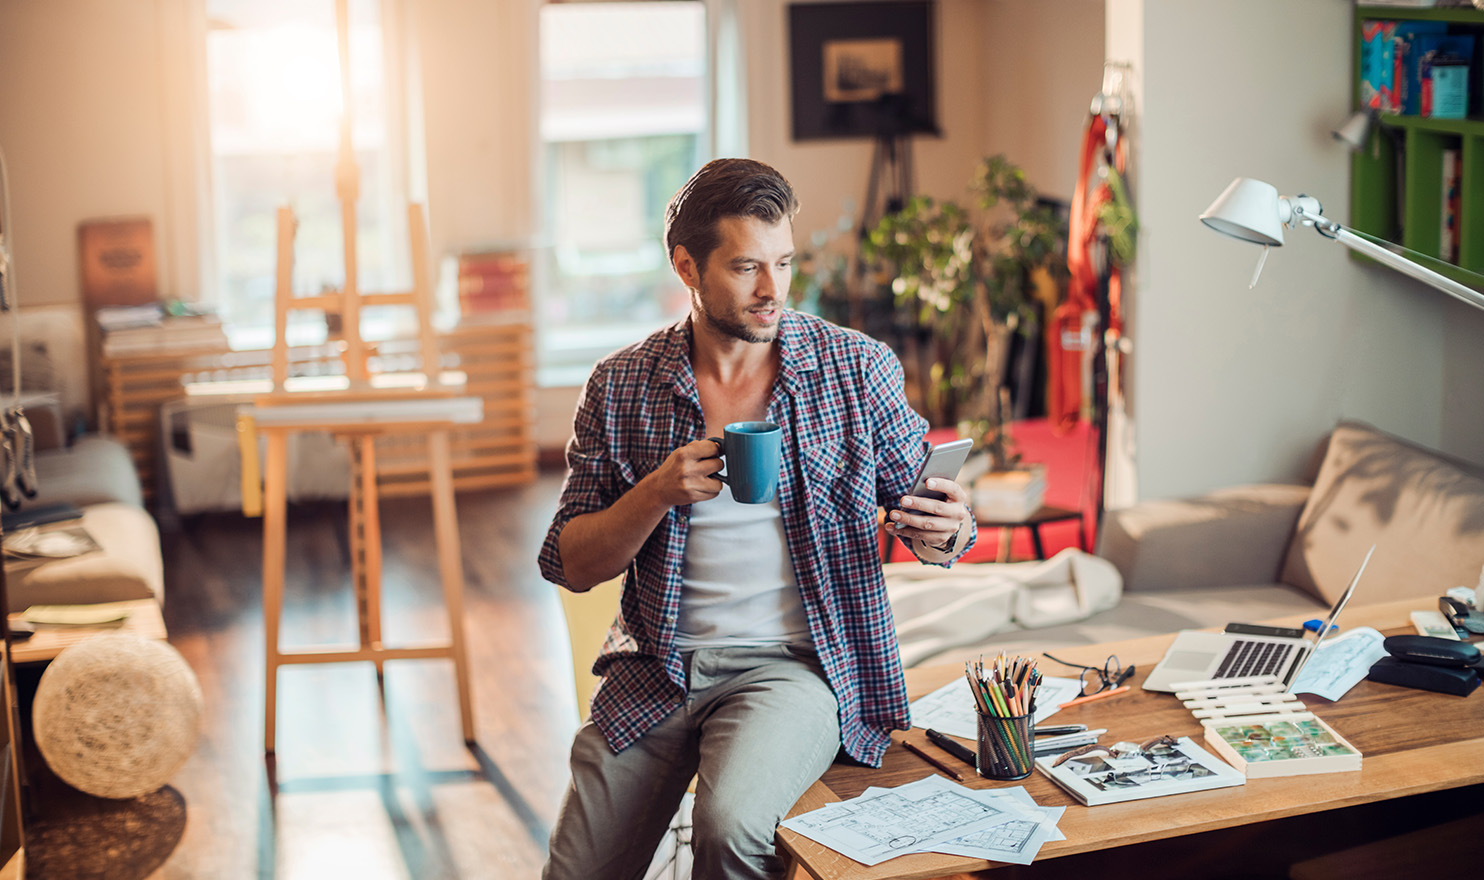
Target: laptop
{"points": [[1205, 656]]}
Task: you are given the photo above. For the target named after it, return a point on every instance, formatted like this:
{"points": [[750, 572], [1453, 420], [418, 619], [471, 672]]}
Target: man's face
{"points": [[741, 293]]}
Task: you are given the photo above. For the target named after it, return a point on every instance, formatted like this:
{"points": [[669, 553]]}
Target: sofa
{"points": [[1246, 553], [95, 473]]}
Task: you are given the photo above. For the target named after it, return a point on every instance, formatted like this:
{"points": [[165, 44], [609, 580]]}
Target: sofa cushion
{"points": [[93, 470], [128, 565], [1230, 536], [1422, 510]]}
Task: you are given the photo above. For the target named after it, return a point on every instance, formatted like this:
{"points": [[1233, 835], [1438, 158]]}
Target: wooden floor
{"points": [[359, 789]]}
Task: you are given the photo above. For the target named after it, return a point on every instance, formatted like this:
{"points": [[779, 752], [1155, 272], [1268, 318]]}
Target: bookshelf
{"points": [[1397, 180], [496, 354]]}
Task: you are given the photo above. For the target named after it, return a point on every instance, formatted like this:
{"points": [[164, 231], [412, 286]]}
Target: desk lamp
{"points": [[1253, 211]]}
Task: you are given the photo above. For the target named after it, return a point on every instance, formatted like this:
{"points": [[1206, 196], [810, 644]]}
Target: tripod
{"points": [[891, 162], [890, 184]]}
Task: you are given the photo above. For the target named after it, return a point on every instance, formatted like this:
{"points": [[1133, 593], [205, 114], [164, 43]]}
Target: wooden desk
{"points": [[1401, 757], [47, 642]]}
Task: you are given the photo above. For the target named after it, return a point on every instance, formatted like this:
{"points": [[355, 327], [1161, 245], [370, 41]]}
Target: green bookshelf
{"points": [[1391, 187]]}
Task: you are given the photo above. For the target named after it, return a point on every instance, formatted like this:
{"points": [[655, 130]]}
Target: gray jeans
{"points": [[758, 727]]}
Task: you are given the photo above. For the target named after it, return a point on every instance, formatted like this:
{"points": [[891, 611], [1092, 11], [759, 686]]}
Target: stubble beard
{"points": [[731, 325]]}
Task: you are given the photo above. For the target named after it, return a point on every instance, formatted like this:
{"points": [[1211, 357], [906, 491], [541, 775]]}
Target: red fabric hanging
{"points": [[1065, 345]]}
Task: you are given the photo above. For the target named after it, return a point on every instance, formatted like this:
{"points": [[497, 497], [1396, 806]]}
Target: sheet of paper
{"points": [[1017, 841], [950, 708], [917, 817], [1340, 663]]}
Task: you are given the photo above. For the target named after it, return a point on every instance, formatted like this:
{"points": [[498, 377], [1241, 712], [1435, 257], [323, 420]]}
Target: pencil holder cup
{"points": [[1006, 747]]}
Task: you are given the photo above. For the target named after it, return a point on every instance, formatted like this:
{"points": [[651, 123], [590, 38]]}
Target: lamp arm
{"points": [[1330, 229]]}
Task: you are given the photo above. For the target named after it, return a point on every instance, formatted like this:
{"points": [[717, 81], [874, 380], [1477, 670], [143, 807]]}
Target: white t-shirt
{"points": [[737, 581]]}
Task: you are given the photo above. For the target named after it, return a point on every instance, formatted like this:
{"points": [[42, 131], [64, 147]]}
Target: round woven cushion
{"points": [[115, 716]]}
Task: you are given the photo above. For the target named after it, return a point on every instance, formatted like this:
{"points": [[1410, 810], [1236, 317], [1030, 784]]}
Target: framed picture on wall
{"points": [[862, 70]]}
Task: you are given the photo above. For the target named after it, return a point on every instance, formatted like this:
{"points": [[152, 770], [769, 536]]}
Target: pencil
{"points": [[922, 753], [1097, 696]]}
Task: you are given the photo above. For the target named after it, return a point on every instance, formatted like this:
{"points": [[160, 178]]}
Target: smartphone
{"points": [[942, 461], [1254, 629]]}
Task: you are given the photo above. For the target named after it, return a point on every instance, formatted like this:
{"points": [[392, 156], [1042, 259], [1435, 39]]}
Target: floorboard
{"points": [[360, 786]]}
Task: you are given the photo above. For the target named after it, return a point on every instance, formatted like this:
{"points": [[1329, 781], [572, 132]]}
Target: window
{"points": [[623, 125], [274, 109]]}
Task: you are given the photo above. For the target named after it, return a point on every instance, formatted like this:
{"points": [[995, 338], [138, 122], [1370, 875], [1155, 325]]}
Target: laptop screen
{"points": [[1334, 614]]}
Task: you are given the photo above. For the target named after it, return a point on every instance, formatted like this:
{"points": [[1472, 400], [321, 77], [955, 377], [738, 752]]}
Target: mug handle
{"points": [[721, 452]]}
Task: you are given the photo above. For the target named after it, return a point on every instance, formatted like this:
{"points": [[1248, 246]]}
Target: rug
{"points": [[92, 838]]}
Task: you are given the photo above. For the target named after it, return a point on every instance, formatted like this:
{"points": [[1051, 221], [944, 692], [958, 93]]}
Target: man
{"points": [[753, 640]]}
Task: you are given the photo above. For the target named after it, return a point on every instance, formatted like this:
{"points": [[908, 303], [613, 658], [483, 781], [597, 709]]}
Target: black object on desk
{"points": [[1428, 663], [1459, 681], [953, 747], [14, 521]]}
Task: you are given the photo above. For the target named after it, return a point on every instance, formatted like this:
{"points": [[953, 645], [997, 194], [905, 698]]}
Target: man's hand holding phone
{"points": [[932, 521], [938, 507]]}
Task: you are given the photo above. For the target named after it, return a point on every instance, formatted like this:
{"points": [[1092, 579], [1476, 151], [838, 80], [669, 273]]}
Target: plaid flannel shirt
{"points": [[851, 445]]}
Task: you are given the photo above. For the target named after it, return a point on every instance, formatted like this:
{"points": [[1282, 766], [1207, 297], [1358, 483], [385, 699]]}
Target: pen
{"points": [[1059, 729], [1097, 696], [953, 747], [921, 753]]}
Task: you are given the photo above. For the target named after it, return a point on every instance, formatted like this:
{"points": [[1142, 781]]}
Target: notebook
{"points": [[1203, 656]]}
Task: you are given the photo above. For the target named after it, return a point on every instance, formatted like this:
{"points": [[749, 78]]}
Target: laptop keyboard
{"points": [[1253, 658]]}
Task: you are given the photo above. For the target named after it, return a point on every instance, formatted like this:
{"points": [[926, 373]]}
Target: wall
{"points": [[1231, 385], [1042, 63]]}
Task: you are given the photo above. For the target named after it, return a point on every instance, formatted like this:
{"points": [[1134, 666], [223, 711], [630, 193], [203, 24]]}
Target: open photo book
{"points": [[1102, 775]]}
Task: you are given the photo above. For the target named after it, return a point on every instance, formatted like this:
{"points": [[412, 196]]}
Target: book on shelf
{"points": [[1378, 65], [112, 318], [1434, 52], [1281, 745], [1406, 49], [1100, 777], [169, 334], [1452, 204], [493, 281]]}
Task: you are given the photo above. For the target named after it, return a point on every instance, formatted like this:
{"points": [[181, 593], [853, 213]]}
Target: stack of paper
{"points": [[950, 708], [933, 815]]}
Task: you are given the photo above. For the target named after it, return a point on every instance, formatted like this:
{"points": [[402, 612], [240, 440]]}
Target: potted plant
{"points": [[963, 280]]}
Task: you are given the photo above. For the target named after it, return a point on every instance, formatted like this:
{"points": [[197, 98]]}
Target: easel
{"points": [[357, 414]]}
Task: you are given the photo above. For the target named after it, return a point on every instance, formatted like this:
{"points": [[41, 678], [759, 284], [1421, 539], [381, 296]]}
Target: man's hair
{"points": [[724, 188]]}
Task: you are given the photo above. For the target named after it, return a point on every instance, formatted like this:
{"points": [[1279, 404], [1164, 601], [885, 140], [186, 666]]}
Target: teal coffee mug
{"points": [[752, 451]]}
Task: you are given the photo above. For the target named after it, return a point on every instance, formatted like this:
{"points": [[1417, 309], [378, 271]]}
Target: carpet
{"points": [[103, 839]]}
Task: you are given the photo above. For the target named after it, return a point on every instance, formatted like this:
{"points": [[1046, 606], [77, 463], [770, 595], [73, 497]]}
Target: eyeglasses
{"points": [[1460, 616], [1110, 675]]}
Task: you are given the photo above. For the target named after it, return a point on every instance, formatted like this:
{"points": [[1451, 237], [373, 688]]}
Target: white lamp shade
{"points": [[1248, 209], [1355, 130]]}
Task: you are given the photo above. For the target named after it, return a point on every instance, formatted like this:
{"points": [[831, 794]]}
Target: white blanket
{"points": [[941, 608]]}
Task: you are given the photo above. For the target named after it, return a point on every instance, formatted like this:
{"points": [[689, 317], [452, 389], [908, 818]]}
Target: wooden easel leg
{"points": [[365, 547], [274, 523], [451, 567]]}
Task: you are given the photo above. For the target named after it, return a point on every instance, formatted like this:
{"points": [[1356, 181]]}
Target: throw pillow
{"points": [[1424, 512]]}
